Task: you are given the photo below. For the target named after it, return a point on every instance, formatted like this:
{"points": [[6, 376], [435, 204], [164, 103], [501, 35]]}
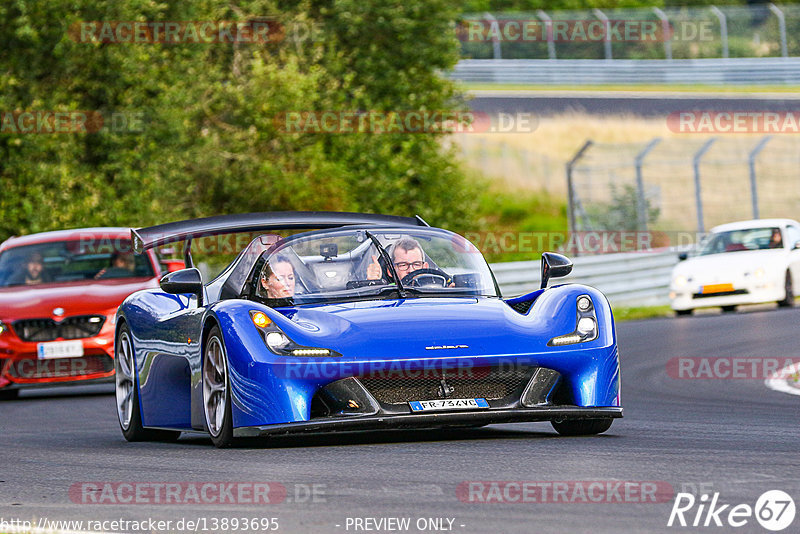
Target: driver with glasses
{"points": [[407, 256]]}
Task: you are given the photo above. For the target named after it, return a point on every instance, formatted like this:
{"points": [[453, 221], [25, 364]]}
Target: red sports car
{"points": [[59, 293]]}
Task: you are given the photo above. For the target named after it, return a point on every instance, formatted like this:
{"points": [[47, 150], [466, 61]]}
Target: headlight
{"points": [[680, 280], [279, 343], [759, 272], [585, 325], [3, 327]]}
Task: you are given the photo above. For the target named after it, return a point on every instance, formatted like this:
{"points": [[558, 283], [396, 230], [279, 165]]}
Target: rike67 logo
{"points": [[774, 510]]}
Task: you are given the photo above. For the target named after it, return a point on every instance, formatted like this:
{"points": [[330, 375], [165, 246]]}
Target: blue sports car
{"points": [[357, 322]]}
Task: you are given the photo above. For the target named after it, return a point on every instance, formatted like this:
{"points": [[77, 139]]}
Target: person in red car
{"points": [[32, 272], [57, 322]]}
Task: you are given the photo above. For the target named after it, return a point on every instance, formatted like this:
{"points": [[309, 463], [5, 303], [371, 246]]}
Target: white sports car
{"points": [[745, 262]]}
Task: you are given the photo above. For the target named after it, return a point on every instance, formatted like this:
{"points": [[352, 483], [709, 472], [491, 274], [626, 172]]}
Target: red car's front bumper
{"points": [[20, 366]]}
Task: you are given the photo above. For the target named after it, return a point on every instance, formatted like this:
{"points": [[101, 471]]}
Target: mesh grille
{"points": [[77, 327], [522, 307], [61, 367], [480, 382]]}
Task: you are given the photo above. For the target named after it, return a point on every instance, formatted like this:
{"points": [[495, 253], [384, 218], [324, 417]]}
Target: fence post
{"points": [[782, 26], [751, 160], [666, 32], [641, 202], [495, 30], [723, 29], [570, 187], [607, 38], [548, 25], [697, 193]]}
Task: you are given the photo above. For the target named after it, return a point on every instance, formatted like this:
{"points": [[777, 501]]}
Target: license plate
{"points": [[716, 288], [447, 404], [59, 349]]}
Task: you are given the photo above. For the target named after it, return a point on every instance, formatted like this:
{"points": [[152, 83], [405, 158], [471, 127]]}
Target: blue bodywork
{"points": [[168, 333]]}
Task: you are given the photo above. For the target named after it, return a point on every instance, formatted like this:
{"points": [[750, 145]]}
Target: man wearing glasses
{"points": [[407, 255]]}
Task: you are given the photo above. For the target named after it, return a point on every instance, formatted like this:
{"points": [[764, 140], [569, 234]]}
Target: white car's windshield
{"points": [[349, 263], [744, 239]]}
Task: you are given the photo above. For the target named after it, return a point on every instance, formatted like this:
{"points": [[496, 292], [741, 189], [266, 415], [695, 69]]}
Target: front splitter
{"points": [[430, 420]]}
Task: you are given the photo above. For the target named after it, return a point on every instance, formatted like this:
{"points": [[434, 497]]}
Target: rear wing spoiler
{"points": [[162, 234]]}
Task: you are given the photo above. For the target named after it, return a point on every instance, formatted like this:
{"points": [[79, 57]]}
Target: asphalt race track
{"points": [[734, 437]]}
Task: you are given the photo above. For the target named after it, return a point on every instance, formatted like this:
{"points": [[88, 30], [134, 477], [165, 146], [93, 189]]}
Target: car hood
{"points": [[76, 298], [731, 262], [434, 326]]}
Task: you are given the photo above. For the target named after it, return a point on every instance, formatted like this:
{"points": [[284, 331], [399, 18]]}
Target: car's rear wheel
{"points": [[582, 427], [8, 394], [216, 391], [127, 395], [788, 300], [683, 312]]}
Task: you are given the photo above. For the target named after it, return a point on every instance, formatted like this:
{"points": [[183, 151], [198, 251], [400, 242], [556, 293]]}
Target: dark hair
{"points": [[407, 243]]}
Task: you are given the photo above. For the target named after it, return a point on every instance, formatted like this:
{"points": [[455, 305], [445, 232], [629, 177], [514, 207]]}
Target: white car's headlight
{"points": [[680, 280], [759, 273]]}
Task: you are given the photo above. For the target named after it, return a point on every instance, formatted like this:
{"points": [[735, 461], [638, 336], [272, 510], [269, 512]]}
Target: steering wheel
{"points": [[437, 277]]}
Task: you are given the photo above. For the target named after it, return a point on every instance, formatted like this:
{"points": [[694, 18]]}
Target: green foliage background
{"points": [[209, 143]]}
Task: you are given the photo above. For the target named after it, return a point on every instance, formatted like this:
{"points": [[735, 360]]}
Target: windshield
{"points": [[351, 264], [67, 261], [745, 239]]}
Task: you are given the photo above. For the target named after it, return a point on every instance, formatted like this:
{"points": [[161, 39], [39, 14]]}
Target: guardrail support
{"points": [[495, 31], [666, 31], [697, 192], [782, 26], [570, 187], [548, 25], [607, 37], [751, 160], [723, 29], [641, 201]]}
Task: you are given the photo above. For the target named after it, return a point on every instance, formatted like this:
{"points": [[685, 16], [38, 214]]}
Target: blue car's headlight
{"points": [[279, 343], [585, 326]]}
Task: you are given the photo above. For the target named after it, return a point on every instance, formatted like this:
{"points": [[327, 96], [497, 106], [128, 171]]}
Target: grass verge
{"points": [[641, 312]]}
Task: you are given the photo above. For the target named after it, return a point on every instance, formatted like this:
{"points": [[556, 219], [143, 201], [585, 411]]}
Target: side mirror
{"points": [[184, 281], [796, 245], [554, 266], [682, 256]]}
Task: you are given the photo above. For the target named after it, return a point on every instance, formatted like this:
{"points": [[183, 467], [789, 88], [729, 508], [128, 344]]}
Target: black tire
{"points": [[582, 427], [135, 431], [728, 309], [683, 312], [788, 300], [224, 434], [8, 394]]}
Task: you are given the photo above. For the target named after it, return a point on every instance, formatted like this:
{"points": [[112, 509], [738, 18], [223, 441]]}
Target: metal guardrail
{"points": [[737, 71], [627, 279]]}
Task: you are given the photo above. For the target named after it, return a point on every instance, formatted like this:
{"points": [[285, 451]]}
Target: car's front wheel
{"points": [[788, 300], [128, 413], [683, 312], [216, 391], [582, 427]]}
